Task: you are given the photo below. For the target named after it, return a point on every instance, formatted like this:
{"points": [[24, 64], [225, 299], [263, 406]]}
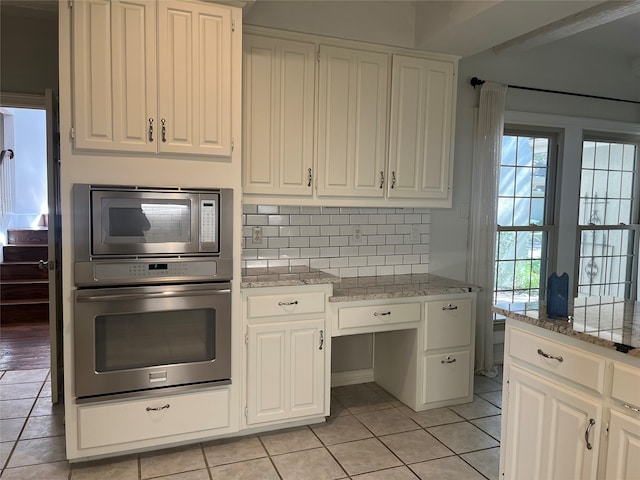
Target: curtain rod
{"points": [[475, 81]]}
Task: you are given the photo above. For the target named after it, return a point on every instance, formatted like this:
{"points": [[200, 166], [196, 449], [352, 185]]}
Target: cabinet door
{"points": [[194, 59], [285, 370], [548, 430], [114, 74], [279, 79], [623, 456], [420, 140], [352, 122]]}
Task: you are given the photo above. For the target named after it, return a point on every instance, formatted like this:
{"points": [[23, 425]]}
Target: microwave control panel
{"points": [[147, 270], [208, 215]]}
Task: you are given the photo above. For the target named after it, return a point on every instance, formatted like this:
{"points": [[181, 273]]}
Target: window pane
{"points": [[507, 174], [602, 156], [523, 182], [588, 154], [505, 211], [606, 185], [521, 256], [537, 211], [605, 262], [506, 245], [522, 211]]}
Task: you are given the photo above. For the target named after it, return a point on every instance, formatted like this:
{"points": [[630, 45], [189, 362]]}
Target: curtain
{"points": [[486, 160]]}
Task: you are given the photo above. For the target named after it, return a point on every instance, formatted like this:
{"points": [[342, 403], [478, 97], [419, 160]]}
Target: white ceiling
{"points": [[467, 27]]}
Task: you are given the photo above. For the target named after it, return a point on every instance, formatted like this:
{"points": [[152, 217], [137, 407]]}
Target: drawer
{"points": [[277, 305], [377, 315], [626, 384], [448, 324], [560, 359], [109, 424], [447, 376]]}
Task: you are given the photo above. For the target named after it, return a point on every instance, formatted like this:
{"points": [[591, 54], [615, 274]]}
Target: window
{"points": [[524, 216], [608, 218]]}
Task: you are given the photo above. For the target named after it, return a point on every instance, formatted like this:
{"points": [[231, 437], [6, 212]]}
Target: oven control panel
{"points": [[154, 270]]}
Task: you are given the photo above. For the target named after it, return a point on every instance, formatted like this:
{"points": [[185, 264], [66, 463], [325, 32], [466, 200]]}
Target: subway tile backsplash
{"points": [[344, 241]]}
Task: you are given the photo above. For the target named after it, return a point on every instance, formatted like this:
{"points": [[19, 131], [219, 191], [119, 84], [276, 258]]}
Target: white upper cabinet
{"points": [[152, 76], [353, 131], [194, 78], [114, 75], [352, 122], [421, 133], [279, 80]]}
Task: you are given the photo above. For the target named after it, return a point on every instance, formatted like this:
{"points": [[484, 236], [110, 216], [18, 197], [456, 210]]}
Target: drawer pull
{"points": [[450, 307], [592, 422], [546, 355], [287, 304], [448, 360], [378, 314], [321, 339], [631, 407], [157, 409]]}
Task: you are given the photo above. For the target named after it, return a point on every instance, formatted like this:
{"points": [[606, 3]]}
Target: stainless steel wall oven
{"points": [[153, 267]]}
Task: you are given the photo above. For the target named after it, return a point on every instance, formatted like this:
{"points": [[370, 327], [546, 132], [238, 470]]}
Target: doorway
{"points": [[25, 342], [29, 235]]}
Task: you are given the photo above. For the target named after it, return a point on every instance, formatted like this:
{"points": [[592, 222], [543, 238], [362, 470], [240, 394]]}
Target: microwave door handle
{"points": [[145, 296]]}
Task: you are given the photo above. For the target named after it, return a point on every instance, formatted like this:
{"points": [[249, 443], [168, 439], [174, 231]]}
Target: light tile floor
{"points": [[370, 435]]}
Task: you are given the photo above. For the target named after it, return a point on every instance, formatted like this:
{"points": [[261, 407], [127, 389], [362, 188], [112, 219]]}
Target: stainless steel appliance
{"points": [[127, 225], [153, 267]]}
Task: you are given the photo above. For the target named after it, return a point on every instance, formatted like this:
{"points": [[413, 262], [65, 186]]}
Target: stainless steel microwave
{"points": [[132, 222]]}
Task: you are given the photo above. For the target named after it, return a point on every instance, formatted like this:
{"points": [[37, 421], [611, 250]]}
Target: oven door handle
{"points": [[144, 296]]}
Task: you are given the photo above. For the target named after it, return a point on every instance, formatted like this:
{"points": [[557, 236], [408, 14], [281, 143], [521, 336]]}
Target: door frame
{"points": [[49, 103]]}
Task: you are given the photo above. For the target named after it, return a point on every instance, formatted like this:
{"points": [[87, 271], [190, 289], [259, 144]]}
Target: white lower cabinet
{"points": [[571, 410], [285, 370], [287, 354], [114, 423], [623, 456], [553, 432]]}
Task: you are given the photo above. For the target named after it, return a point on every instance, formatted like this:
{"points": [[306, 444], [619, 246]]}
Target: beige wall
{"points": [[28, 51]]}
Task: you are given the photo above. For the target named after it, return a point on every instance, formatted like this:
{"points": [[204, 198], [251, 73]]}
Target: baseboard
{"points": [[351, 377]]}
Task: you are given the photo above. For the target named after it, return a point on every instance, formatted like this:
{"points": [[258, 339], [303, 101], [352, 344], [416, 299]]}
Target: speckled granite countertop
{"points": [[357, 288], [610, 322], [284, 277], [395, 286]]}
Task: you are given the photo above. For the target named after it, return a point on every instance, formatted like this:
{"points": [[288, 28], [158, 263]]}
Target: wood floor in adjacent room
{"points": [[24, 347]]}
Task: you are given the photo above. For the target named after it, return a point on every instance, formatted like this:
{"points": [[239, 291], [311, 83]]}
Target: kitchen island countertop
{"points": [[609, 322]]}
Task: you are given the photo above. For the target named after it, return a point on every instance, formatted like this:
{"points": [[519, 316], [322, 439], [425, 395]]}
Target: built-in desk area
{"points": [[424, 328]]}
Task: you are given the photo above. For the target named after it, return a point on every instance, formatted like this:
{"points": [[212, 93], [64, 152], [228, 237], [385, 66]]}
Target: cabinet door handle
{"points": [[450, 307], [393, 179], [287, 304], [448, 360], [546, 355], [150, 129], [381, 179], [592, 422], [632, 408], [378, 314], [164, 131], [157, 409], [310, 177], [321, 339]]}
